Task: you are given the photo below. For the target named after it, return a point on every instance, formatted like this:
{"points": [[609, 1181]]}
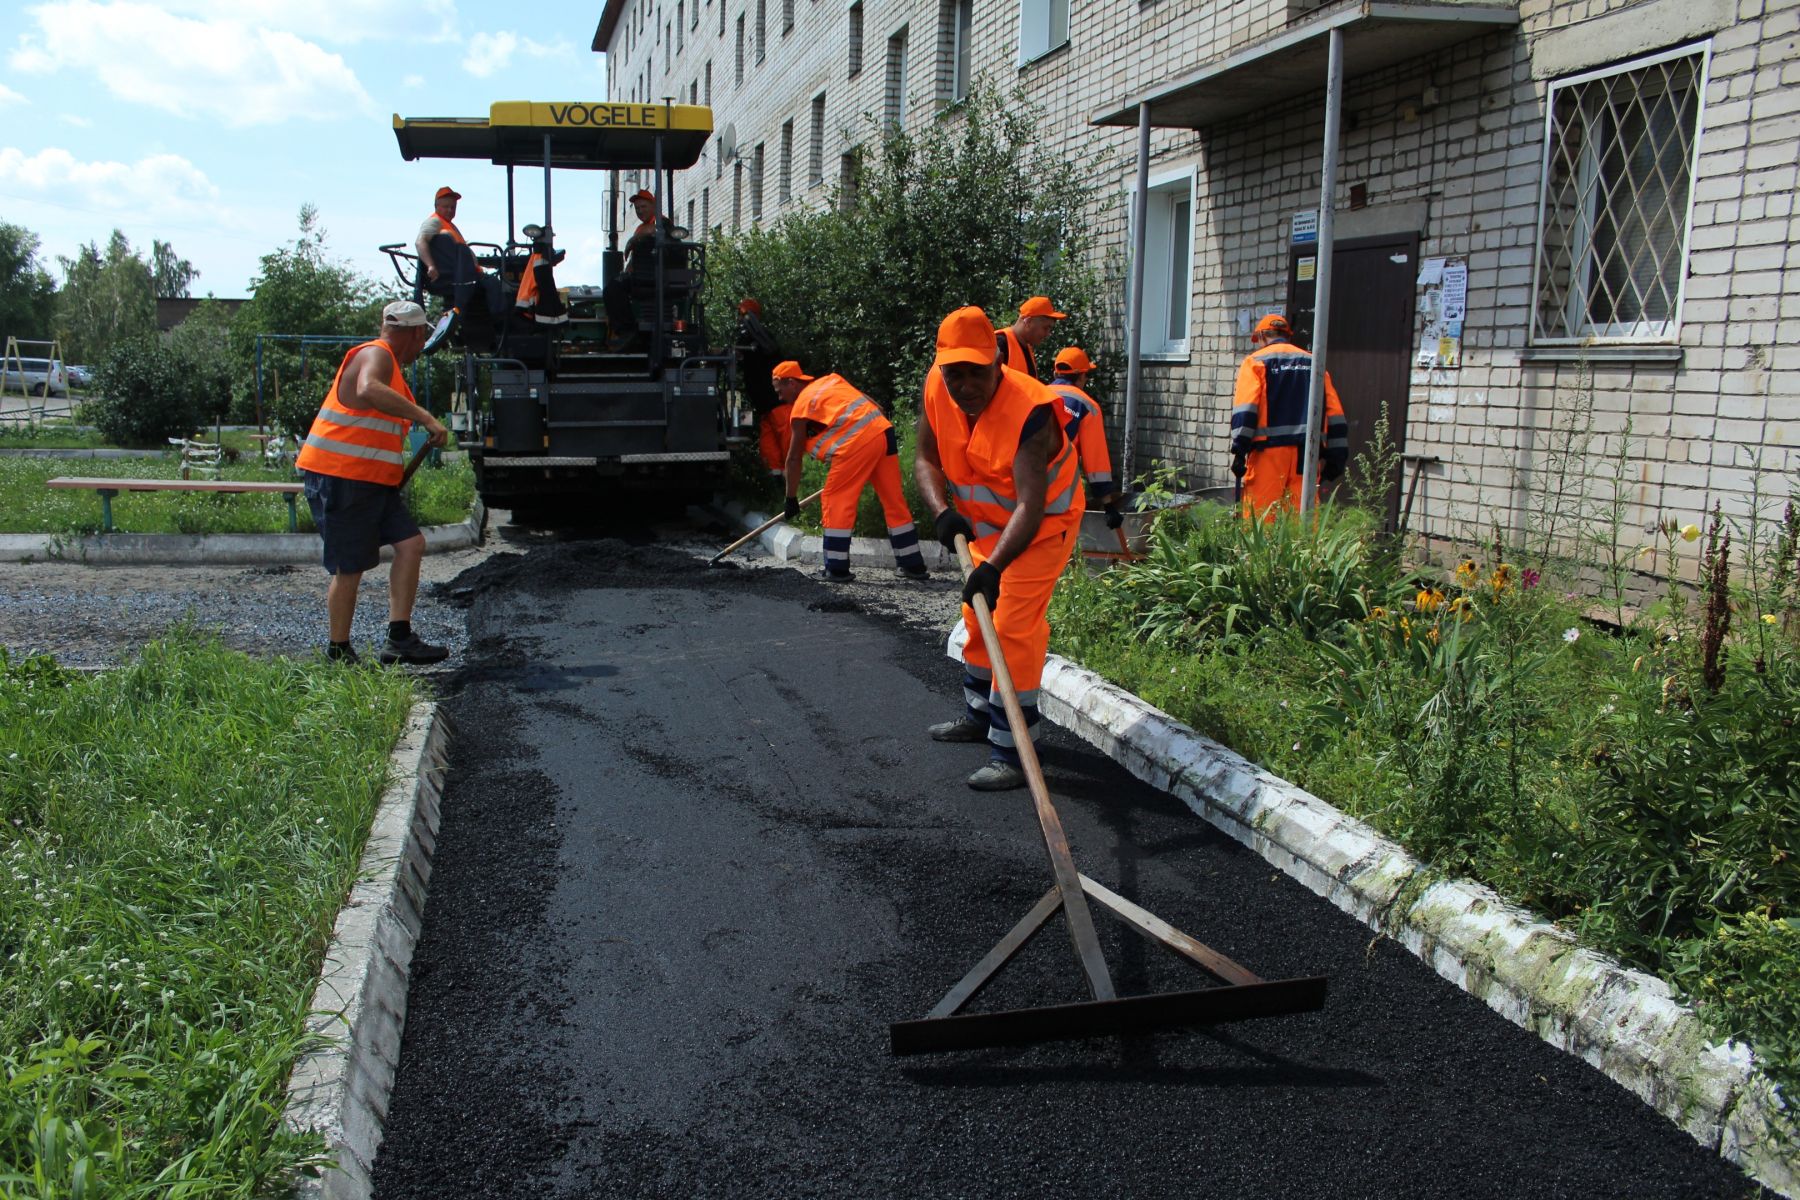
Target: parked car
{"points": [[37, 372], [80, 376]]}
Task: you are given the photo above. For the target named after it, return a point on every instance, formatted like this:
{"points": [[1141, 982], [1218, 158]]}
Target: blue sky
{"points": [[207, 123]]}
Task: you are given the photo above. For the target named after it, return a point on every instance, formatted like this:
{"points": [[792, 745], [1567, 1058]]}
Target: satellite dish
{"points": [[728, 141]]}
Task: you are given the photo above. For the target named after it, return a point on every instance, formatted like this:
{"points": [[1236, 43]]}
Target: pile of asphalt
{"points": [[696, 855]]}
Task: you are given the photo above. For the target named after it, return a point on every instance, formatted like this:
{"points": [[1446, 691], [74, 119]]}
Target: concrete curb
{"points": [[1624, 1022], [181, 549], [786, 543], [341, 1090]]}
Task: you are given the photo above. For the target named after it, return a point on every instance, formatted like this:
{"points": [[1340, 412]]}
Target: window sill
{"points": [[1052, 52], [1172, 357], [1647, 355]]}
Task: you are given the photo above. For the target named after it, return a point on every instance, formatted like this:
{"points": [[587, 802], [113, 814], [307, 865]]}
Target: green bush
{"points": [[142, 395]]}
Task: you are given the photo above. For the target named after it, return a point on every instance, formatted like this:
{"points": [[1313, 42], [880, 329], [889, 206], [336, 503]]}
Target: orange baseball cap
{"points": [[1074, 359], [642, 194], [747, 305], [448, 191], [1273, 323], [791, 370], [1040, 306], [966, 336]]}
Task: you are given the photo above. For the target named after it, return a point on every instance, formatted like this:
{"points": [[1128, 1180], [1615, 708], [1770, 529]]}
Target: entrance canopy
{"points": [[1292, 63], [579, 135]]}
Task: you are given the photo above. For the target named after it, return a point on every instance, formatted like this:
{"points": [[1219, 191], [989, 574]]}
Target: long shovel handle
{"points": [[768, 524], [1062, 864], [417, 458]]}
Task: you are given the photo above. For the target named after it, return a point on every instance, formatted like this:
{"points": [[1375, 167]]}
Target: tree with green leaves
{"points": [[106, 299], [27, 293], [171, 274]]}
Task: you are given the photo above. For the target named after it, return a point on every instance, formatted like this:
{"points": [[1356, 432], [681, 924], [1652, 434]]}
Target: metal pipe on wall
{"points": [[1134, 311], [1315, 389]]}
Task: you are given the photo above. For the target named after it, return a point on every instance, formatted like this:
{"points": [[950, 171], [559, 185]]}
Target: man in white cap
{"points": [[353, 463]]}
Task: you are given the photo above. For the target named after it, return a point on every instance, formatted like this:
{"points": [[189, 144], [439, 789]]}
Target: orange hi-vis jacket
{"points": [[978, 458], [1269, 406], [528, 284], [358, 443], [1081, 422], [846, 413], [1013, 352]]}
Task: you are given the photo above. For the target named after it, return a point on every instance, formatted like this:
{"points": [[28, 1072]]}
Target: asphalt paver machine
{"points": [[576, 410]]}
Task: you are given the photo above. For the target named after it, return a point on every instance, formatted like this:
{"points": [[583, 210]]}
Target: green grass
{"points": [[436, 496], [49, 435], [175, 841]]}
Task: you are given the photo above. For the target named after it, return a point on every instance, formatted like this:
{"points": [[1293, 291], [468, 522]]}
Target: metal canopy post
{"points": [[1315, 389], [1134, 312], [512, 222], [657, 239], [547, 222]]}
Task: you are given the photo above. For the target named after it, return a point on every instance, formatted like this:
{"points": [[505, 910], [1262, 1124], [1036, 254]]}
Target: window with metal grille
{"points": [[680, 25], [721, 18], [756, 183], [708, 92], [856, 34], [706, 209], [786, 180], [815, 153], [739, 77], [894, 95], [762, 30], [1043, 27], [849, 178], [737, 195], [1620, 147]]}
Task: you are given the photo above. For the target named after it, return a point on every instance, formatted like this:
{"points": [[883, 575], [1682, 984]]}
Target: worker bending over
{"points": [[1082, 424], [1268, 422], [989, 437], [844, 429], [1037, 317]]}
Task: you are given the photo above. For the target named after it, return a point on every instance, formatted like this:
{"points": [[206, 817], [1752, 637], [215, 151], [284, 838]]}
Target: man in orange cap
{"points": [[846, 430], [620, 320], [1037, 317], [452, 272], [989, 438], [1081, 422], [775, 427], [1268, 422]]}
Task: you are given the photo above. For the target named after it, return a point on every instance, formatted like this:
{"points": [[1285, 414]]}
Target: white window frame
{"points": [[1039, 32], [1159, 272], [1581, 331]]}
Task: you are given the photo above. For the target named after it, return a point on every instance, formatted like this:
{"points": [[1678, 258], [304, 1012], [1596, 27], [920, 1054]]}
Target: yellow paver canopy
{"points": [[594, 136]]}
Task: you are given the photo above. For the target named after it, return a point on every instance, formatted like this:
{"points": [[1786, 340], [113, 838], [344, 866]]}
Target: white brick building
{"points": [[1616, 178]]}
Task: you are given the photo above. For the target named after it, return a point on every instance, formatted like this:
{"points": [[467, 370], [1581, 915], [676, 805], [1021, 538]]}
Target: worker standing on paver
{"points": [[353, 463], [1018, 341], [989, 437], [1082, 424], [1268, 422], [845, 429]]}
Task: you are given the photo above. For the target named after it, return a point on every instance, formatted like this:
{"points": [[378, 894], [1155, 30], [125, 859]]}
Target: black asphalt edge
{"points": [[177, 549], [341, 1090], [787, 543], [1625, 1023]]}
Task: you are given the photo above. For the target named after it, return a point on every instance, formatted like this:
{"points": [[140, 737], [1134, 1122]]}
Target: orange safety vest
{"points": [[450, 228], [845, 412], [1013, 352], [528, 287], [358, 443], [978, 459]]}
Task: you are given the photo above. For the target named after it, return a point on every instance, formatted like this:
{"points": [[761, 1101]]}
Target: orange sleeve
{"points": [[1090, 444]]}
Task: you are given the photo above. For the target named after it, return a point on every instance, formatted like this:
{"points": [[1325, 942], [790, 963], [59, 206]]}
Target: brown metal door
{"points": [[1373, 285]]}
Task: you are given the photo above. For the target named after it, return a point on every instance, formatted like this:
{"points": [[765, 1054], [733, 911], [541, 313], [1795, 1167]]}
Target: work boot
{"points": [[411, 649], [997, 776], [830, 576], [445, 324], [345, 653], [960, 730], [917, 574]]}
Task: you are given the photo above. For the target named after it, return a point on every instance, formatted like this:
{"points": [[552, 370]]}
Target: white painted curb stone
{"points": [[341, 1090], [785, 543], [1624, 1022]]}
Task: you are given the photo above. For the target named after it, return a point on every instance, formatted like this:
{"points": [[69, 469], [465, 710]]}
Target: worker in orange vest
{"points": [[452, 272], [1081, 422], [1268, 422], [990, 441], [1016, 343], [839, 426], [353, 463]]}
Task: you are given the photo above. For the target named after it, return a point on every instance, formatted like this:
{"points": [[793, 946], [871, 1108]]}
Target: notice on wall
{"points": [[1306, 226], [1443, 300], [1306, 270]]}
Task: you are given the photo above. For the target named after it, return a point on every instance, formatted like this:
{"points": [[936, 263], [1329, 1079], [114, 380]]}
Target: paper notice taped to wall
{"points": [[1443, 298]]}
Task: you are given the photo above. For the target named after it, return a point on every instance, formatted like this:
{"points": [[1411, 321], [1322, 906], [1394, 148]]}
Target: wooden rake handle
{"points": [[768, 524], [1056, 842], [417, 458]]}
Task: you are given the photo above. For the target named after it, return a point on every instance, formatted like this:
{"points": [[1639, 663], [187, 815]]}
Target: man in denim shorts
{"points": [[354, 462]]}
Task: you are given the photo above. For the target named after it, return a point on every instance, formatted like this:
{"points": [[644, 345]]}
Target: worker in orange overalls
{"points": [[1082, 424], [538, 297], [843, 428], [774, 427], [1037, 317], [1268, 422], [990, 439]]}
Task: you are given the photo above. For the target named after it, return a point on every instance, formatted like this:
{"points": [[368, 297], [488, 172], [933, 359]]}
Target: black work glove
{"points": [[1331, 472], [1114, 518], [790, 508], [1237, 466], [984, 580], [950, 523]]}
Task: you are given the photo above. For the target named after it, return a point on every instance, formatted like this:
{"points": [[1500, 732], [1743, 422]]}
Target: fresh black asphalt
{"points": [[697, 853]]}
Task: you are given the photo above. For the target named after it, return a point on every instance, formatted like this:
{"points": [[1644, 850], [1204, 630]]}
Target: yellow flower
{"points": [[1771, 619], [1645, 551], [1690, 532], [1377, 613], [1432, 635], [1466, 571], [1463, 607], [1428, 600], [1406, 629]]}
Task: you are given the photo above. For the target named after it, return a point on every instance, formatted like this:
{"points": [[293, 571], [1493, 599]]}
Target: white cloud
{"points": [[78, 121], [224, 69], [413, 81], [8, 96], [488, 53], [340, 22], [160, 184]]}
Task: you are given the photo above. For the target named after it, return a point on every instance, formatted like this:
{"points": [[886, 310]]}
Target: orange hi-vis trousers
{"points": [[1022, 621], [1274, 478], [867, 459], [772, 437]]}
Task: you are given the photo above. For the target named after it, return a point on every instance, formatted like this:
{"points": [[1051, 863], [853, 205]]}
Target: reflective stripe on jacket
{"points": [[1269, 405], [978, 459], [358, 443], [842, 409], [1081, 421]]}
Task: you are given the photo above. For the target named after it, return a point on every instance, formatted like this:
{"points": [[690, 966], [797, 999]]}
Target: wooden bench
{"points": [[108, 488]]}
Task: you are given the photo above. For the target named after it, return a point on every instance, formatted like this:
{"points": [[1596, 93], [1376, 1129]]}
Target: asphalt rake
{"points": [[1242, 994]]}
